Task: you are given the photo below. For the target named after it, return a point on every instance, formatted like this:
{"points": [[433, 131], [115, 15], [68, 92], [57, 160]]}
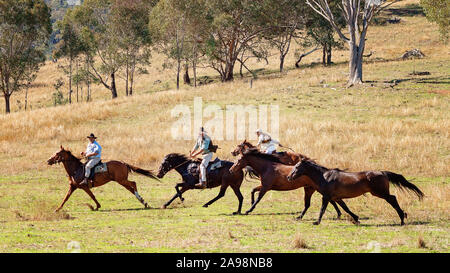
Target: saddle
{"points": [[213, 167], [100, 167]]}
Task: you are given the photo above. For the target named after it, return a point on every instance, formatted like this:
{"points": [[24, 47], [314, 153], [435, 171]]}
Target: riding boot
{"points": [[84, 182], [201, 184]]}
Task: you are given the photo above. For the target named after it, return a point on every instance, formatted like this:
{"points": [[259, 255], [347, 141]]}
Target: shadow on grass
{"points": [[413, 223]]}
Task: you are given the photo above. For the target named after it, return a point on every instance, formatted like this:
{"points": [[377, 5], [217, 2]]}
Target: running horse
{"points": [[116, 171], [273, 175], [335, 185], [219, 177], [286, 158]]}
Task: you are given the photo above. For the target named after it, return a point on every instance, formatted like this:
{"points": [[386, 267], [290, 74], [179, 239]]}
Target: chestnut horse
{"points": [[286, 158], [335, 185], [220, 177], [273, 174], [117, 171]]}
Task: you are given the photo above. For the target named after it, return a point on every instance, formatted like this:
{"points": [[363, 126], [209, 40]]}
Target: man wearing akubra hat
{"points": [[93, 154]]}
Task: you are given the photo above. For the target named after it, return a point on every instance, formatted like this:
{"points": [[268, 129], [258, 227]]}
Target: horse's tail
{"points": [[250, 172], [400, 181], [135, 169]]}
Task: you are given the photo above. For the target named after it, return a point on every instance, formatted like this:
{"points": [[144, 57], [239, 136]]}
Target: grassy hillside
{"points": [[397, 121]]}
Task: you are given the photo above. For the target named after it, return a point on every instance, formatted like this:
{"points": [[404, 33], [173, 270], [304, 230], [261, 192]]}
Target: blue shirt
{"points": [[94, 147], [203, 143]]}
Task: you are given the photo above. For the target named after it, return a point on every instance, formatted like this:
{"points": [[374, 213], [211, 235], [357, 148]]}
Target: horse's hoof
{"points": [[146, 206], [182, 199], [237, 213], [338, 217], [247, 212], [406, 215], [299, 218], [205, 205], [163, 206], [316, 223]]}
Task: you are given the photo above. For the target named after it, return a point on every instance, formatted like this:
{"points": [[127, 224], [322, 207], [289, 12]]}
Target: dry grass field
{"points": [[396, 121]]}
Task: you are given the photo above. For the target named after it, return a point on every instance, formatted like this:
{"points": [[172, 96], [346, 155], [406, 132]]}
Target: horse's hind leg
{"points": [[69, 193], [346, 209], [392, 200], [89, 192], [131, 186]]}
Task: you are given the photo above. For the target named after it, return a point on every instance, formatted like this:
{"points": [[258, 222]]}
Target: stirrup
{"points": [[201, 184]]}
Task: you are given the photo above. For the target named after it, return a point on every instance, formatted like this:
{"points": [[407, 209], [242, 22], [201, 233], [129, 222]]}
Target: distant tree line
{"points": [[103, 41]]}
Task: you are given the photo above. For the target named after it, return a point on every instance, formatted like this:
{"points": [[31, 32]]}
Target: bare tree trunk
{"points": [[113, 86], [282, 56], [7, 104], [228, 75], [329, 55], [304, 55], [355, 65], [126, 77], [77, 80], [186, 78], [26, 96], [70, 81]]}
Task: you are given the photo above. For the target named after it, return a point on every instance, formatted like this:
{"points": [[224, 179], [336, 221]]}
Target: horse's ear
{"points": [[62, 148]]}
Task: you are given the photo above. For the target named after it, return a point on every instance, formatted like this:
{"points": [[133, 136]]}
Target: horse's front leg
{"points": [[325, 201], [89, 192], [221, 194], [178, 194], [72, 188]]}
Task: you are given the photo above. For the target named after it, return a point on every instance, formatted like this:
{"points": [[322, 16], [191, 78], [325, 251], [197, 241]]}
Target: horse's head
{"points": [[59, 156], [241, 148], [299, 169], [169, 162]]}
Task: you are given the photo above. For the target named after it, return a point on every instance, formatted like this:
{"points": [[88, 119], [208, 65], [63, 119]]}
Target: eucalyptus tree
{"points": [[25, 28], [357, 14]]}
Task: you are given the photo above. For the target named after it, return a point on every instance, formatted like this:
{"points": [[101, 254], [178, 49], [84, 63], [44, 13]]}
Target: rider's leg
{"points": [[271, 149], [89, 165], [203, 166]]}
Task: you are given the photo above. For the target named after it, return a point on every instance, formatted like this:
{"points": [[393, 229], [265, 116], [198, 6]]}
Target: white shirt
{"points": [[94, 147], [266, 145]]}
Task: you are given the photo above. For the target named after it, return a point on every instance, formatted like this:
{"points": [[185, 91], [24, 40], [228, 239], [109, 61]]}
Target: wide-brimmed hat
{"points": [[91, 136]]}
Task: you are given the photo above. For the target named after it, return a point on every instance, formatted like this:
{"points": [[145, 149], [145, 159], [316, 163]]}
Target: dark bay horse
{"points": [[273, 175], [335, 185], [286, 158], [222, 177], [117, 171]]}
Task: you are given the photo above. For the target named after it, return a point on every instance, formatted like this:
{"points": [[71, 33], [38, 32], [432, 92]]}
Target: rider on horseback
{"points": [[93, 154], [203, 142], [266, 142]]}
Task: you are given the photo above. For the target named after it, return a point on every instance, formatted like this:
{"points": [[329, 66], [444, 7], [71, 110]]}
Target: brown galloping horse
{"points": [[273, 175], [335, 185], [286, 158], [117, 171]]}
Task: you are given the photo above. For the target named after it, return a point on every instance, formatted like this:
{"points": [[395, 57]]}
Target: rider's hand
{"points": [[83, 153]]}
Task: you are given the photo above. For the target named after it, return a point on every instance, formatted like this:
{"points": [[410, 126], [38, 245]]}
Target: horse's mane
{"points": [[179, 157], [72, 156], [320, 167], [257, 153]]}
